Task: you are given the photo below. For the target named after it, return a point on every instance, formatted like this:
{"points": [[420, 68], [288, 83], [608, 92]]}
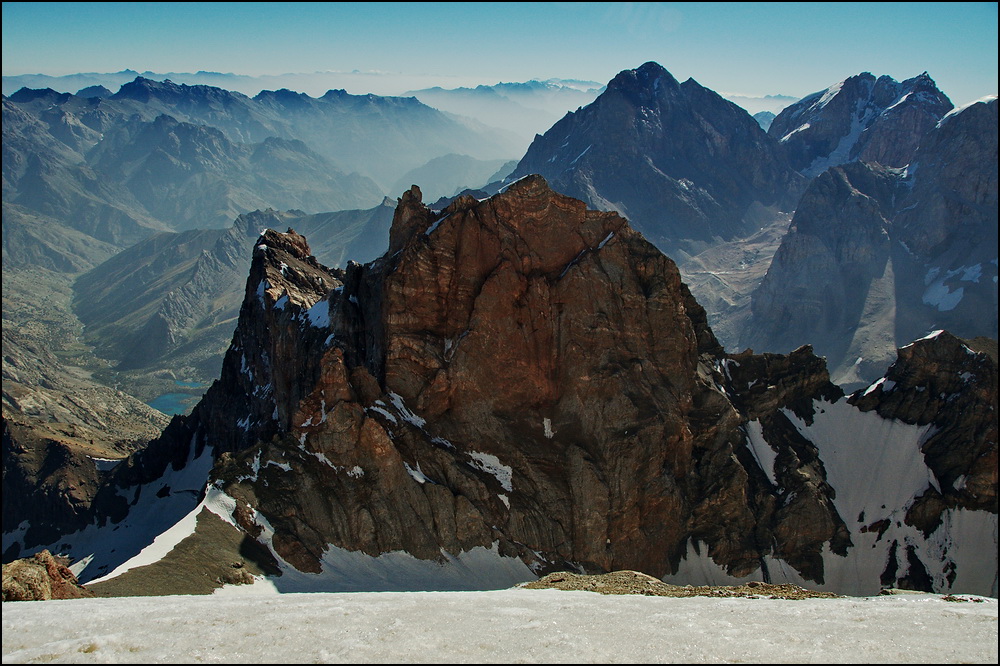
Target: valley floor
{"points": [[248, 625]]}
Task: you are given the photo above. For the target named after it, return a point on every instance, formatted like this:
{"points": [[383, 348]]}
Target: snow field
{"points": [[513, 625]]}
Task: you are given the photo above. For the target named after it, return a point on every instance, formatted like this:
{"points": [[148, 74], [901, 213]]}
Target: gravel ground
{"points": [[633, 582]]}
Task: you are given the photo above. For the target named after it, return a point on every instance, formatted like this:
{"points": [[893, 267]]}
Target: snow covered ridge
{"points": [[859, 118], [954, 112]]}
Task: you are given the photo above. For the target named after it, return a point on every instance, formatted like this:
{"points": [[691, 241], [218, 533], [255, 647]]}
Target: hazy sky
{"points": [[737, 48]]}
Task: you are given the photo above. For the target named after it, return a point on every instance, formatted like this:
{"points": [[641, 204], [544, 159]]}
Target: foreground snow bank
{"points": [[515, 625]]}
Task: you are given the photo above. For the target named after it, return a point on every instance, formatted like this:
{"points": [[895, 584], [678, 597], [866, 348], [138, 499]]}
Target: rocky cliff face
{"points": [[826, 283], [685, 166], [518, 384], [949, 216], [862, 118], [876, 257]]}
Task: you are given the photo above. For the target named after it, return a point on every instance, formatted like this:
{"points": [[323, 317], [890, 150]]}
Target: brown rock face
{"points": [[39, 578], [524, 375], [518, 370]]}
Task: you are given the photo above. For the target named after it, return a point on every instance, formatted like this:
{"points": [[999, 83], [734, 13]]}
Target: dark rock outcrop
{"points": [[939, 380]]}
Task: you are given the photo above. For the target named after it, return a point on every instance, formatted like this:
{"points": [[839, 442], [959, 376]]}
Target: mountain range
{"points": [[87, 177], [168, 304], [701, 180], [515, 379], [520, 385]]}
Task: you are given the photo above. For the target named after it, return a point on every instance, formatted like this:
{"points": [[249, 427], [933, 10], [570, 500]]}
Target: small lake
{"points": [[177, 403]]}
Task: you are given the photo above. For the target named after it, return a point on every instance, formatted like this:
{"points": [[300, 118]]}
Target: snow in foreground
{"points": [[514, 625]]}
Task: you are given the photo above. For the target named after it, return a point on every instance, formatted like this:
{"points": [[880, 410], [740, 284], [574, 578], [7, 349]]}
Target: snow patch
{"points": [[163, 513], [380, 410], [105, 464], [492, 465], [405, 413], [436, 224], [954, 112], [318, 315], [761, 450], [886, 384], [416, 474], [500, 625], [798, 129], [857, 448], [938, 295]]}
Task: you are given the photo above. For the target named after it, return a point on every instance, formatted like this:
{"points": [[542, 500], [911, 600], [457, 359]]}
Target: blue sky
{"points": [[737, 48]]}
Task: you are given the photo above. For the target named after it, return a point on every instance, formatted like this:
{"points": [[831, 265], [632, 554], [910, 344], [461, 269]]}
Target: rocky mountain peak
{"points": [[644, 83], [288, 271], [696, 162], [860, 118], [169, 93], [926, 376], [27, 95], [94, 91], [410, 217], [286, 98], [142, 89]]}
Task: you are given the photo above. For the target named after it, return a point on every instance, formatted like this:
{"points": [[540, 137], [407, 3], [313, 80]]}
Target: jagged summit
{"points": [[166, 91], [860, 118], [285, 97], [877, 256]]}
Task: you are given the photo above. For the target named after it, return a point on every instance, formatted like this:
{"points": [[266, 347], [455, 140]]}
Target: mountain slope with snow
{"points": [[488, 401], [861, 118]]}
